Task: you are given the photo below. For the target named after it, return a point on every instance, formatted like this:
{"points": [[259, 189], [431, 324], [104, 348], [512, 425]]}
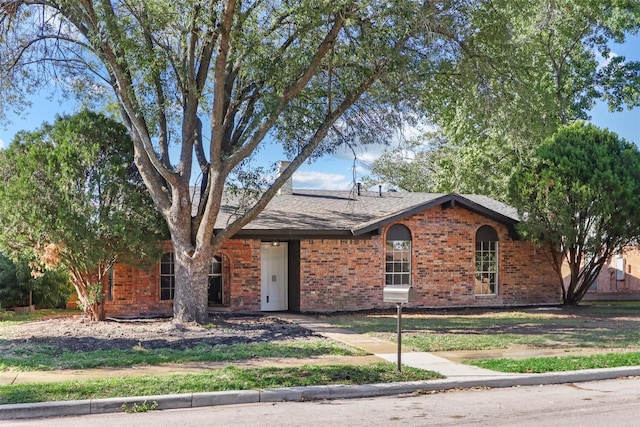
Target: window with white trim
{"points": [[167, 276], [215, 281], [398, 256], [486, 277]]}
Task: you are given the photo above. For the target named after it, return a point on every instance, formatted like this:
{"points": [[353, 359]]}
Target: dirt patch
{"points": [[71, 334]]}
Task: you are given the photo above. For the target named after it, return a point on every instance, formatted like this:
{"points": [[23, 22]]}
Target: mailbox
{"points": [[399, 294]]}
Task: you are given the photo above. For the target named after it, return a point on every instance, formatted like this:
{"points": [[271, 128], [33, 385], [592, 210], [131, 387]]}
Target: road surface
{"points": [[602, 403]]}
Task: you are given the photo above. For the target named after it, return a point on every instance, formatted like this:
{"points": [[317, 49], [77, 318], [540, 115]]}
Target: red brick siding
{"points": [[137, 291], [350, 274], [608, 285], [341, 274], [244, 273]]}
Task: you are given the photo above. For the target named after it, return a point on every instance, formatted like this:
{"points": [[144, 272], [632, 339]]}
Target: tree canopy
{"points": [[203, 85], [72, 197], [19, 287], [495, 107], [579, 196]]}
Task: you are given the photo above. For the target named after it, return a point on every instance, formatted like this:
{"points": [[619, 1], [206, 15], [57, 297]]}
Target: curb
{"points": [[195, 400]]}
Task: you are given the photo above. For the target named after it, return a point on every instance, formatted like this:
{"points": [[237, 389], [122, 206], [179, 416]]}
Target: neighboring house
{"points": [[619, 279], [313, 251]]}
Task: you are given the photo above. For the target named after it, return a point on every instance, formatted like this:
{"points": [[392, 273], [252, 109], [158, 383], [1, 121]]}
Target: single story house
{"points": [[619, 279], [314, 251]]}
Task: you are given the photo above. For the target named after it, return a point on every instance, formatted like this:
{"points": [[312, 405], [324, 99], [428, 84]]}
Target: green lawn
{"points": [[229, 378], [559, 364], [31, 357], [598, 326], [589, 326]]}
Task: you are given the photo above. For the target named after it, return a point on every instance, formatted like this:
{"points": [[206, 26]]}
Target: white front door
{"points": [[274, 277]]}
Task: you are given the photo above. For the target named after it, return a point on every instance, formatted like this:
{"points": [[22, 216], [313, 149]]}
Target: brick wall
{"points": [[341, 274], [612, 285], [137, 290], [349, 275]]}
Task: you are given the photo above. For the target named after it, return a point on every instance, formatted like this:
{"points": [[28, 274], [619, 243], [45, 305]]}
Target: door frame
{"points": [[268, 266]]}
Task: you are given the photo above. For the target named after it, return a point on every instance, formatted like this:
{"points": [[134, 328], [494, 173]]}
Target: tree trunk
{"points": [[90, 297], [190, 302], [572, 299]]}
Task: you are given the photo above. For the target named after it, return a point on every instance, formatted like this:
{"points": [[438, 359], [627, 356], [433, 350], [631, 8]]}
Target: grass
{"points": [[8, 318], [38, 357], [589, 326], [559, 364], [229, 378], [594, 325]]}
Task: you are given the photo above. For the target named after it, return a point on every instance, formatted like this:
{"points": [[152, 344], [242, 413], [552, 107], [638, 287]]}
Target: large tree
{"points": [[72, 198], [204, 84], [579, 196], [497, 105]]}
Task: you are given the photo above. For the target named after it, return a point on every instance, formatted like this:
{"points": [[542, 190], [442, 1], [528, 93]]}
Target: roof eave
{"points": [[448, 200], [296, 234]]}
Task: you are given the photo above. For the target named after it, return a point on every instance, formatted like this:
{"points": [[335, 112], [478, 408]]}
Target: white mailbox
{"points": [[399, 294]]}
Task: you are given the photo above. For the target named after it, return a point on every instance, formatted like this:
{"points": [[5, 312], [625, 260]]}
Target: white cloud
{"points": [[1, 144], [603, 62], [321, 180], [367, 154]]}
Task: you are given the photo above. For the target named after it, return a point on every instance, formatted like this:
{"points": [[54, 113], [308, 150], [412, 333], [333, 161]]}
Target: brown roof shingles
{"points": [[345, 213]]}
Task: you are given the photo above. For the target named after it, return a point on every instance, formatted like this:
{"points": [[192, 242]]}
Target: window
{"points": [[167, 276], [215, 281], [110, 281], [486, 260], [398, 256]]}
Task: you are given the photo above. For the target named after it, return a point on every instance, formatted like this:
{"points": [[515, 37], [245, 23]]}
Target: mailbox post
{"points": [[400, 294]]}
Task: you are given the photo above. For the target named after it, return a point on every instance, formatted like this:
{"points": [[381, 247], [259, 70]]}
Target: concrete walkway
{"points": [[457, 376], [389, 351]]}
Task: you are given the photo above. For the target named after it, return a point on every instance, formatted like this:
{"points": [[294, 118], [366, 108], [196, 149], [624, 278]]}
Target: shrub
{"points": [[50, 289]]}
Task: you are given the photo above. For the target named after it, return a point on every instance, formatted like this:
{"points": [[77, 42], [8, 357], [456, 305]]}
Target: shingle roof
{"points": [[323, 212]]}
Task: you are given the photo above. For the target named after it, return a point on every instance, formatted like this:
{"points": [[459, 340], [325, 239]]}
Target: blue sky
{"points": [[336, 172]]}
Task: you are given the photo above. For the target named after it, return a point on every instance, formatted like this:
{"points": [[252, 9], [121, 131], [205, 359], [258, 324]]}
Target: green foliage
{"points": [[28, 356], [559, 364], [72, 197], [534, 67], [50, 289], [414, 166], [143, 407], [228, 378], [579, 196]]}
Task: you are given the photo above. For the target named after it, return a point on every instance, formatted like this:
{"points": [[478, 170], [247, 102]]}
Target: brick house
{"points": [[313, 251], [619, 279]]}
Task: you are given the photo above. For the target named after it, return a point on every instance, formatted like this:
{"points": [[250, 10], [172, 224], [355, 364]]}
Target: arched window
{"points": [[167, 276], [398, 256], [486, 260], [215, 281]]}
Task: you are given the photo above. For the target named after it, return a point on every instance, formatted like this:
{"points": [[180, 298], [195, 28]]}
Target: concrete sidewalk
{"points": [[389, 351], [457, 376]]}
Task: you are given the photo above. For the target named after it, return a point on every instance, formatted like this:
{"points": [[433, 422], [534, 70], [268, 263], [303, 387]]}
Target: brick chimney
{"points": [[287, 187]]}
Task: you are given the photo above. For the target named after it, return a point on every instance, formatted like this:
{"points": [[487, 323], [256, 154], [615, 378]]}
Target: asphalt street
{"points": [[590, 404]]}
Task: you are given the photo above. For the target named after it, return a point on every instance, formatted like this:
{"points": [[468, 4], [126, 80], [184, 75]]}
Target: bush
{"points": [[50, 290]]}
